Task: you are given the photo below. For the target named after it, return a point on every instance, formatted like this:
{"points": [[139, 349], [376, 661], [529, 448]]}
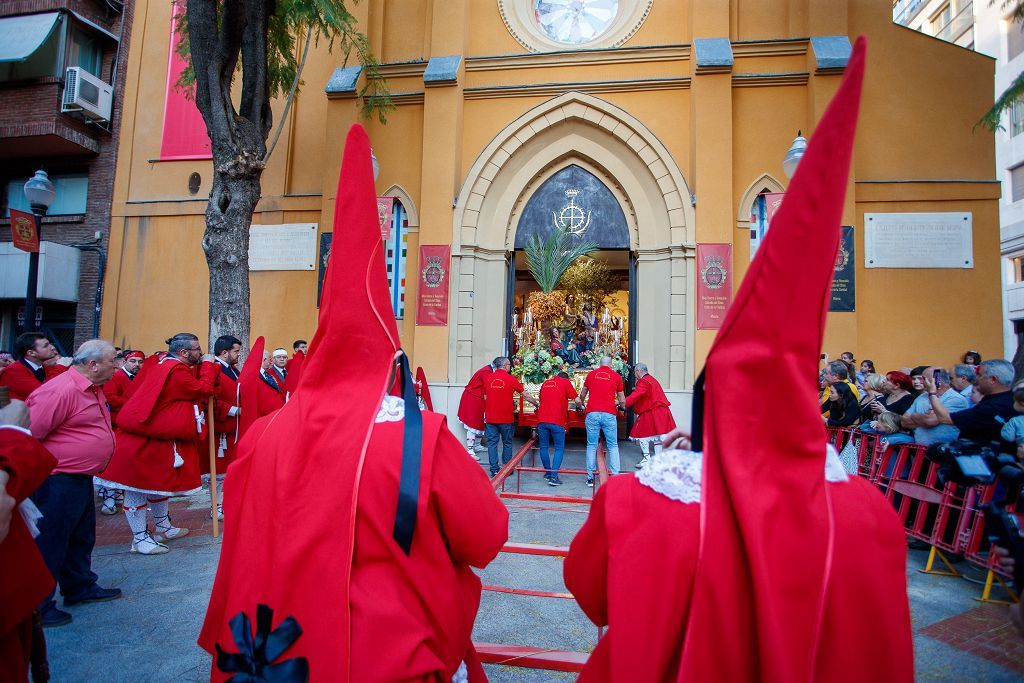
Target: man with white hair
{"points": [[653, 418], [70, 418], [280, 360], [603, 395], [984, 421]]}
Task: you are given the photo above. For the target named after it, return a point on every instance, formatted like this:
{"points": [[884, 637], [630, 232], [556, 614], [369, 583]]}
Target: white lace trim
{"points": [[675, 474], [392, 409], [834, 470]]}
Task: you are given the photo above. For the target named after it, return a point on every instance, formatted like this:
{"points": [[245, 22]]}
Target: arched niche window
{"points": [[395, 256]]}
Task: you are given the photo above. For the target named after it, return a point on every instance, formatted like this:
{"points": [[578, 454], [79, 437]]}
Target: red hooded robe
{"points": [[311, 554], [471, 405], [158, 421], [653, 417], [24, 578], [775, 574], [20, 381]]}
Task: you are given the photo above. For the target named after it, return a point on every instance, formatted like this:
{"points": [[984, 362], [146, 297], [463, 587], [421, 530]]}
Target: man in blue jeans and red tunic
{"points": [[499, 411], [603, 392], [553, 422]]}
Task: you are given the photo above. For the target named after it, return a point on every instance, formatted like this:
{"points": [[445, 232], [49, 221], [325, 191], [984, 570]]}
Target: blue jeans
{"points": [[492, 431], [596, 424], [556, 433], [67, 534]]}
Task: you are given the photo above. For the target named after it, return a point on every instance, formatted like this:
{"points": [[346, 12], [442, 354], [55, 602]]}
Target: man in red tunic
{"points": [[24, 579], [553, 422], [471, 408], [653, 418], [159, 433], [25, 375], [227, 350], [355, 517], [762, 560], [603, 395], [270, 394], [118, 390]]}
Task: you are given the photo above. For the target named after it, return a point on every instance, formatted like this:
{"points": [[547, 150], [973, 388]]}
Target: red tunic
{"points": [[118, 390], [471, 405], [500, 393], [866, 590], [225, 397], [24, 578], [20, 381], [294, 369], [157, 421], [268, 399], [411, 617], [653, 418]]}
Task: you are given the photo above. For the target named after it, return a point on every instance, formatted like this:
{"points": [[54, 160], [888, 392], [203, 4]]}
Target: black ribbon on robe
{"points": [[256, 661], [412, 453], [697, 416]]}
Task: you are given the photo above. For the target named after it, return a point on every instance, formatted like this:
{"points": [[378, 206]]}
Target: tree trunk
{"points": [[226, 243]]}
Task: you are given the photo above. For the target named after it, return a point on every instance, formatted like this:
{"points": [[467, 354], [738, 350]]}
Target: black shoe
{"points": [[554, 481], [590, 482], [548, 476], [54, 617], [97, 595], [494, 473]]}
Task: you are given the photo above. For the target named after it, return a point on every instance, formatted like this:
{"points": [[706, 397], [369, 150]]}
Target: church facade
{"points": [[655, 128]]}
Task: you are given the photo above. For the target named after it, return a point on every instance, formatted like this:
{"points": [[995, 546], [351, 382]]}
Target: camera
{"points": [[968, 463]]}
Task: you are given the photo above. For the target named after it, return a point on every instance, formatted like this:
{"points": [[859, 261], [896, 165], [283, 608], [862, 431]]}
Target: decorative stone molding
{"points": [[342, 82], [714, 55], [520, 20], [831, 53], [766, 183], [442, 71]]}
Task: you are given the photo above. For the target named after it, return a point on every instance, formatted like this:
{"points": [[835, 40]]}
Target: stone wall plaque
{"points": [[290, 246], [918, 240]]}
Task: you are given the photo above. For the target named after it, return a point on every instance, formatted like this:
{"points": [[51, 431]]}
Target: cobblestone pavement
{"points": [[149, 635]]}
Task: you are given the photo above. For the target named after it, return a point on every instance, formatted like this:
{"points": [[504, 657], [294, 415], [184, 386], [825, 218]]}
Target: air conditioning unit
{"points": [[87, 95]]}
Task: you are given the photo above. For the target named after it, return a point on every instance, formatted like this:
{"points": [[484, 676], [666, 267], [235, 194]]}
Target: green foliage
{"points": [[327, 20], [548, 258], [992, 120]]}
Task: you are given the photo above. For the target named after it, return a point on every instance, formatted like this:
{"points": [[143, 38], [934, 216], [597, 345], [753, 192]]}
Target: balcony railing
{"points": [[958, 25], [904, 11]]}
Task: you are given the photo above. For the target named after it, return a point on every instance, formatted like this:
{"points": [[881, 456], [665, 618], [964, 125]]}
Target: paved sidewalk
{"points": [[149, 635]]}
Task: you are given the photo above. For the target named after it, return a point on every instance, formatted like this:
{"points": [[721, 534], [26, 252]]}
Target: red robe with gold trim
{"points": [[24, 578], [159, 420], [471, 405], [648, 400]]}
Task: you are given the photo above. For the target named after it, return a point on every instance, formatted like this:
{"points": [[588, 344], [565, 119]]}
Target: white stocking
{"points": [[135, 506], [657, 446], [471, 442], [645, 447], [161, 522]]}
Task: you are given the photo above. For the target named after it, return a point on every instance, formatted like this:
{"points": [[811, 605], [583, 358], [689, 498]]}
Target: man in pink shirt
{"points": [[69, 416]]}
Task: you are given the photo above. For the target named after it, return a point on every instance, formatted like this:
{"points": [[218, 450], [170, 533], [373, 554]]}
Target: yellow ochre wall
{"points": [[722, 129]]}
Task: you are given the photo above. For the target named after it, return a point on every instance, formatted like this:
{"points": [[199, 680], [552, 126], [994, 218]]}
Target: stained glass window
{"points": [[575, 22], [395, 255]]}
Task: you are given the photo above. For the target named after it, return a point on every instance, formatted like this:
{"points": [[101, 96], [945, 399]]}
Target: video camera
{"points": [[968, 463]]}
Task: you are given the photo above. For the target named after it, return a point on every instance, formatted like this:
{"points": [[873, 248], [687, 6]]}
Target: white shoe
{"points": [[646, 459], [109, 507], [473, 455], [479, 447], [171, 534], [149, 546]]}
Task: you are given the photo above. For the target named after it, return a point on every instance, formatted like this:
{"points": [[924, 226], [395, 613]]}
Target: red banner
{"points": [[432, 301], [23, 231], [772, 202], [384, 206], [714, 284]]}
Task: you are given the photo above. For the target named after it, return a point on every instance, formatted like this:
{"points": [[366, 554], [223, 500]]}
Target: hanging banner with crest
{"points": [[384, 207], [714, 284], [23, 231], [432, 298], [844, 289]]}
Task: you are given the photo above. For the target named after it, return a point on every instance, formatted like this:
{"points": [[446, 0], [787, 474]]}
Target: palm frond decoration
{"points": [[992, 120], [548, 258]]}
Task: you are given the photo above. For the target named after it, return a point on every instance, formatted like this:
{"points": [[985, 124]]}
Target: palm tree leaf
{"points": [[548, 258]]}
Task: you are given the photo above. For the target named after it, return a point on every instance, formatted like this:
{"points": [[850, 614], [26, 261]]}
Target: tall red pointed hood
{"points": [[421, 380], [766, 524], [246, 386], [291, 495]]}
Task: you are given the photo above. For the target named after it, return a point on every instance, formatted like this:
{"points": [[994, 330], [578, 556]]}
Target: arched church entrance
{"points": [[640, 211], [593, 298]]}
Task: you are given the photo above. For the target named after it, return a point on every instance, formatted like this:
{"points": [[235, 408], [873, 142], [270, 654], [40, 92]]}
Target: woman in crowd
{"points": [[897, 394], [874, 388], [841, 409]]}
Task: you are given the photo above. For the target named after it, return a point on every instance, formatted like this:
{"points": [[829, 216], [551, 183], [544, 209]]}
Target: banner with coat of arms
{"points": [[844, 289], [384, 207], [23, 231], [714, 284], [432, 298]]}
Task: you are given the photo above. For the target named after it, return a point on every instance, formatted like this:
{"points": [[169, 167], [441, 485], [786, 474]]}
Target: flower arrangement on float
{"points": [[534, 364]]}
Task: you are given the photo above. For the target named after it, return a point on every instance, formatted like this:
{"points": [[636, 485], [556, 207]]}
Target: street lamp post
{"points": [[794, 154], [39, 192]]}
